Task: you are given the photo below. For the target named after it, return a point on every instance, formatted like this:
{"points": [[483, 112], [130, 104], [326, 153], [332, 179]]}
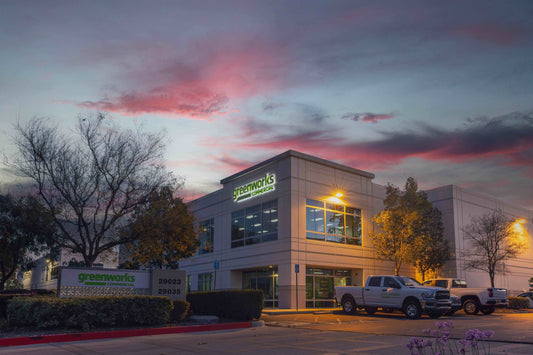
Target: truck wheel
{"points": [[371, 310], [471, 306], [348, 305], [487, 309], [412, 309]]}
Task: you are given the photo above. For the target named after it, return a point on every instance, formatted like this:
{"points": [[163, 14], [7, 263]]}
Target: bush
{"points": [[4, 300], [88, 312], [229, 304], [518, 302], [181, 309]]}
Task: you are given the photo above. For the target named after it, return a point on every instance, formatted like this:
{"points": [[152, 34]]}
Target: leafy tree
{"points": [[163, 231], [408, 226], [493, 241], [25, 227], [92, 180], [430, 251]]}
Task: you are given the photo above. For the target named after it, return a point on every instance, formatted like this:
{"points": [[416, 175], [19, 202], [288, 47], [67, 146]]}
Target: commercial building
{"points": [[296, 225]]}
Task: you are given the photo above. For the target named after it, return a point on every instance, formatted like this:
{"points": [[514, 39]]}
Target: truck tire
{"points": [[371, 310], [487, 309], [348, 305], [471, 306], [412, 309]]}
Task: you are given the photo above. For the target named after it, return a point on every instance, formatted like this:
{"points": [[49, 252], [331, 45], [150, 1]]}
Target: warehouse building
{"points": [[296, 225]]}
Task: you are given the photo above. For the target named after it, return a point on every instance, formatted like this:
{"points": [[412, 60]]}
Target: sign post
{"points": [[297, 270], [216, 266]]}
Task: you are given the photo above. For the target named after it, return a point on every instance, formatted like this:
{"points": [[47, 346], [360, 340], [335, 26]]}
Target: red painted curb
{"points": [[60, 338]]}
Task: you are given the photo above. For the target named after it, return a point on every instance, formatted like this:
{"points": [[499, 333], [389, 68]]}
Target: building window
{"points": [[320, 286], [54, 273], [263, 279], [333, 223], [206, 234], [254, 224], [189, 283], [205, 281]]}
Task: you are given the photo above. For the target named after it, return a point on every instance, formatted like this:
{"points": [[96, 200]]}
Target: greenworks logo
{"points": [[256, 188], [106, 279]]}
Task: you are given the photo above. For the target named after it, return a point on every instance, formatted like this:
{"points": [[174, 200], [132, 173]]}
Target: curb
{"points": [[61, 338]]}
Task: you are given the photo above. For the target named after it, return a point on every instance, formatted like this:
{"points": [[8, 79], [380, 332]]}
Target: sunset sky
{"points": [[438, 90]]}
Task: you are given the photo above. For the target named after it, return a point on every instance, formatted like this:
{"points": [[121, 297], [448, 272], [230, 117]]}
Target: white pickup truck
{"points": [[394, 292], [473, 300]]}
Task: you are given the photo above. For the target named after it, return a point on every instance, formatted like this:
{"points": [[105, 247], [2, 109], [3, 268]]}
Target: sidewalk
{"points": [[80, 336]]}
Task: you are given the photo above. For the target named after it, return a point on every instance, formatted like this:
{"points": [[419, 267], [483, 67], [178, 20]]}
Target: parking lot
{"points": [[315, 332], [508, 325]]}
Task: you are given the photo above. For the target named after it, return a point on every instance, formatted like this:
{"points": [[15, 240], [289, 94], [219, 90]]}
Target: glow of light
{"points": [[335, 200], [521, 221], [338, 194]]}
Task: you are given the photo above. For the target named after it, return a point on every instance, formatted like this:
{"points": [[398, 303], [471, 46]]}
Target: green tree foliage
{"points": [[91, 179], [409, 227], [26, 227], [494, 239], [163, 230], [430, 250]]}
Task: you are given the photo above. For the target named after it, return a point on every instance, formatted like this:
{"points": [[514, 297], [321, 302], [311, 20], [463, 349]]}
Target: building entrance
{"points": [[320, 285], [265, 279]]}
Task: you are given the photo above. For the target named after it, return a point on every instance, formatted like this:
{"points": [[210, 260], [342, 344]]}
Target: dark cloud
{"points": [[506, 140], [367, 116]]}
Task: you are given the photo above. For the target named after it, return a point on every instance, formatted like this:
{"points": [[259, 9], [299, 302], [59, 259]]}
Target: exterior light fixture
{"points": [[338, 194], [521, 221]]}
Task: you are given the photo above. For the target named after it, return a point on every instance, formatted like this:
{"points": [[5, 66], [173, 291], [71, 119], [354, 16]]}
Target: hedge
{"points": [[180, 310], [518, 302], [4, 300], [88, 312], [229, 304]]}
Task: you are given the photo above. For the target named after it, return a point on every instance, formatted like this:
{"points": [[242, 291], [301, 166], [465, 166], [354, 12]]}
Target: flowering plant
{"points": [[437, 341]]}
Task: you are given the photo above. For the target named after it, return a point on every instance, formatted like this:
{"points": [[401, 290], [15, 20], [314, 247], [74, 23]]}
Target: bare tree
{"points": [[92, 179], [494, 240]]}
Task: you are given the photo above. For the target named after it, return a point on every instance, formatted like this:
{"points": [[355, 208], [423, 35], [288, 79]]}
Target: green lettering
{"points": [[91, 277], [82, 277]]}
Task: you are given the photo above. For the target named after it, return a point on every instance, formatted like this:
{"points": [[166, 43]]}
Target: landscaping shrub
{"points": [[518, 302], [181, 309], [229, 304], [4, 299], [88, 312]]}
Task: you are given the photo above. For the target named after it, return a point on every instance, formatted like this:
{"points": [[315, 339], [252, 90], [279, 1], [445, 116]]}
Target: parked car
{"points": [[473, 300], [394, 293], [529, 296]]}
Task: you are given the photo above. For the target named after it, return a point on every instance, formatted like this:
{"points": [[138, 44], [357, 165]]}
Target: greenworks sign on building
{"points": [[255, 188]]}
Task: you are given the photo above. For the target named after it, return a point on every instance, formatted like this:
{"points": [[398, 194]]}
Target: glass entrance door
{"points": [[265, 279]]}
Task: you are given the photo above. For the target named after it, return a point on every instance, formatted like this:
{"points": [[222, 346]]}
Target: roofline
{"points": [[293, 153]]}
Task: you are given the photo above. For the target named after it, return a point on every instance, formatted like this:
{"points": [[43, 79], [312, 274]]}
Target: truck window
{"points": [[458, 284], [374, 281], [428, 283], [407, 281], [441, 283], [390, 282]]}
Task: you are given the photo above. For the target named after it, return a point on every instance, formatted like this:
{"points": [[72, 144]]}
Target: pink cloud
{"points": [[200, 86], [492, 33]]}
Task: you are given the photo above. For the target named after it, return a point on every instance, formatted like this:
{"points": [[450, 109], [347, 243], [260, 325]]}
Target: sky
{"points": [[438, 90]]}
